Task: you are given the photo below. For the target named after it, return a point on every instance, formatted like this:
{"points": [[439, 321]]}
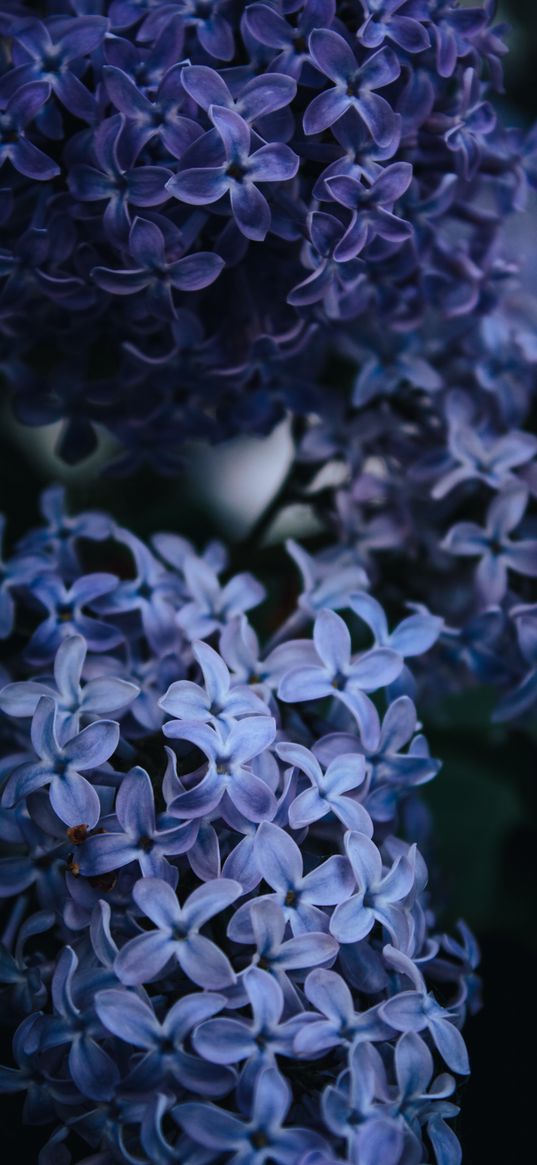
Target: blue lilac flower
{"points": [[207, 895]]}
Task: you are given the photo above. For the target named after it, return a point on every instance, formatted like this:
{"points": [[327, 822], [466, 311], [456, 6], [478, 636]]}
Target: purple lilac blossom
{"points": [[226, 912]]}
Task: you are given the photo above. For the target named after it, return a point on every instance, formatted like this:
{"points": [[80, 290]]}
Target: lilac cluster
{"points": [[203, 198], [220, 947]]}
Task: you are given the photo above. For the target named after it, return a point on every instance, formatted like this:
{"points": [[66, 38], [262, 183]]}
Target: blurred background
{"points": [[485, 802]]}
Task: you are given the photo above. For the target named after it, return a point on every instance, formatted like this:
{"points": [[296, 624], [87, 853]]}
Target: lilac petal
{"points": [[304, 683], [329, 993], [22, 698], [144, 957], [210, 1126], [107, 694], [375, 669], [522, 557], [93, 746], [272, 1099], [190, 1011], [306, 950], [416, 634], [75, 800], [43, 735], [365, 860], [351, 920], [252, 796], [200, 800], [266, 94], [507, 510], [491, 578], [446, 1147], [332, 641], [368, 609], [449, 1042], [332, 55], [307, 807], [398, 882], [128, 1017], [208, 900], [199, 187], [344, 773], [405, 1012], [273, 163], [251, 210], [325, 109], [120, 282], [250, 737], [302, 758], [413, 1063], [135, 806], [186, 700], [367, 716], [266, 997], [159, 902], [378, 116], [147, 185], [194, 272], [329, 883], [234, 131], [124, 94], [268, 26], [105, 852], [393, 181], [215, 672], [26, 779], [92, 1069], [224, 1041], [205, 86], [146, 243], [278, 857], [204, 963], [68, 666]]}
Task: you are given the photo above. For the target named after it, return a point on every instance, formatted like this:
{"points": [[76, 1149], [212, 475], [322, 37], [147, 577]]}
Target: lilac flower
{"points": [[359, 1110], [331, 997], [372, 209], [151, 116], [72, 796], [417, 1010], [354, 86], [66, 614], [40, 57], [401, 21], [258, 1140], [155, 274], [498, 553], [132, 835], [98, 696], [228, 774], [177, 934], [217, 703], [133, 1020], [379, 894], [270, 28], [120, 185], [212, 605], [229, 1041], [280, 862], [74, 1024], [331, 282], [327, 790], [338, 674], [238, 175], [280, 956], [60, 536], [17, 112]]}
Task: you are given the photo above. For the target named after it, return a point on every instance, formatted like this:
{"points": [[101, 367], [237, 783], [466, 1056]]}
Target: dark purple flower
{"points": [[379, 894], [177, 934], [372, 209], [18, 111], [72, 796], [238, 175], [38, 56], [497, 552], [354, 86], [401, 21], [270, 28]]}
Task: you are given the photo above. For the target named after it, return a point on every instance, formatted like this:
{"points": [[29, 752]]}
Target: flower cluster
{"points": [[220, 947], [201, 199]]}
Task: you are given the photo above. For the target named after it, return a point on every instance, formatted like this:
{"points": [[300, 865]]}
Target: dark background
{"points": [[484, 804]]}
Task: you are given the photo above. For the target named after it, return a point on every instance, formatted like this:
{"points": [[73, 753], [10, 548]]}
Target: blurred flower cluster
{"points": [[217, 939], [203, 200]]}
